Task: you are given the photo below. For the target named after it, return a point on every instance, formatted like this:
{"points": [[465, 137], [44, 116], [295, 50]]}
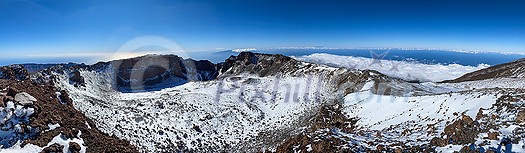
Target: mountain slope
{"points": [[515, 69], [49, 122]]}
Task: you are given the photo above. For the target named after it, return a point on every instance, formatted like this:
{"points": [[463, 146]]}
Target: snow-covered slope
{"points": [[202, 116], [273, 102], [241, 108]]}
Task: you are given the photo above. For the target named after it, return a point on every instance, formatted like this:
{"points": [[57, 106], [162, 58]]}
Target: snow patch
{"points": [[52, 126], [62, 140], [17, 148]]}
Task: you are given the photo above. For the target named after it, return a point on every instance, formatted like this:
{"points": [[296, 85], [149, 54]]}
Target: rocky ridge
{"points": [[514, 69]]}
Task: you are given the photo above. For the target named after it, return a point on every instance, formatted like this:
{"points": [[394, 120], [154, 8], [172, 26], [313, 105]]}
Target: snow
{"points": [[395, 114], [449, 148], [409, 71], [237, 109], [61, 139], [508, 130], [10, 137], [28, 148], [231, 110], [488, 83], [52, 126], [87, 124], [10, 119], [394, 110]]}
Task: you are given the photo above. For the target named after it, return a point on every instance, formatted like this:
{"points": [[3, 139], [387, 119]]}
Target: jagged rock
{"points": [[67, 133], [74, 147], [256, 63], [25, 99], [493, 135], [76, 79], [398, 150], [467, 119], [380, 148], [479, 115], [197, 128], [521, 116], [12, 91], [54, 148], [301, 141], [64, 97], [438, 142], [332, 116], [467, 149], [462, 131], [8, 98], [14, 72]]}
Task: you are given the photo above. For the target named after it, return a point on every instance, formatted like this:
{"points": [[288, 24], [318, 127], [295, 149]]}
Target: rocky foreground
{"points": [[39, 114]]}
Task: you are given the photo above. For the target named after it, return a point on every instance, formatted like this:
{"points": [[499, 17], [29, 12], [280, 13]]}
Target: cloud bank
{"points": [[410, 71]]}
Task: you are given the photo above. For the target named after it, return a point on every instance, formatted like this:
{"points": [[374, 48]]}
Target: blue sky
{"points": [[56, 27]]}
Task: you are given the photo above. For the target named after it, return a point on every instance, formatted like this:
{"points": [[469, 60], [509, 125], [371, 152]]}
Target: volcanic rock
{"points": [[54, 148], [25, 99], [74, 147]]}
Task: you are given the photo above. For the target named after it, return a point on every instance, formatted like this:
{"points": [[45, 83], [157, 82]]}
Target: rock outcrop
{"points": [[25, 99], [14, 72], [38, 106], [515, 69]]}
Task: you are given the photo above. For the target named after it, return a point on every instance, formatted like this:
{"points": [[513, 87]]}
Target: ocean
{"points": [[420, 56]]}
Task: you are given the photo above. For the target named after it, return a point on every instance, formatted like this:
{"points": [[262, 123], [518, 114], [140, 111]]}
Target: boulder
{"points": [[76, 79], [521, 117], [25, 99], [54, 148], [438, 142], [493, 136], [12, 91], [74, 147]]}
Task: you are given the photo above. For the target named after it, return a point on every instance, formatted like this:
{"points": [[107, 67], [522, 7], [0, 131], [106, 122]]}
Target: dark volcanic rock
{"points": [[14, 72], [64, 97], [462, 131], [261, 64], [48, 109], [74, 147], [76, 79], [54, 148]]}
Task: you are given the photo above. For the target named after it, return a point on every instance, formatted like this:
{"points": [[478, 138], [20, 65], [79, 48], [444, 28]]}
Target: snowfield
{"points": [[381, 111], [234, 110]]}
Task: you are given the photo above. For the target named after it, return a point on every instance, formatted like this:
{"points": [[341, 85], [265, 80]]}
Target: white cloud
{"points": [[400, 69]]}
